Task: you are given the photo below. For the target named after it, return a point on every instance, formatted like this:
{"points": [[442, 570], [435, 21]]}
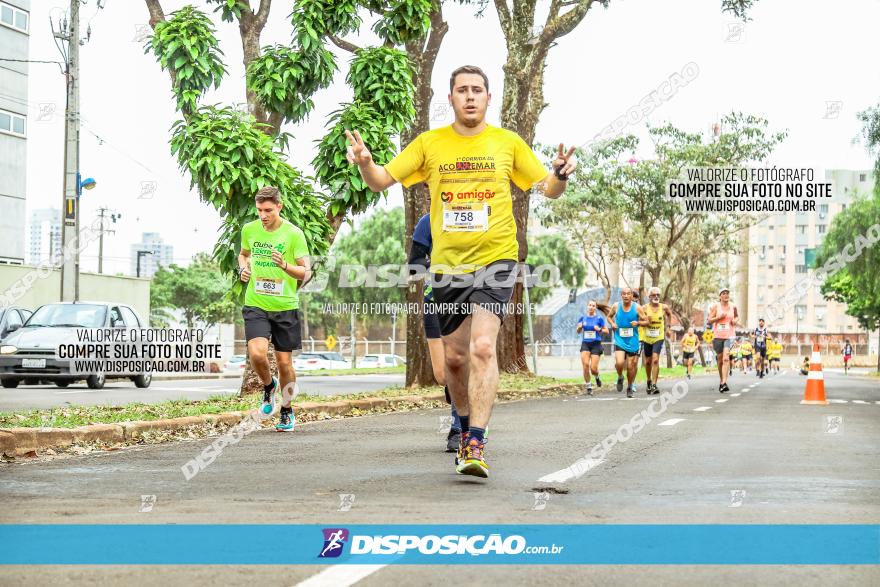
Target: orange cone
{"points": [[815, 391]]}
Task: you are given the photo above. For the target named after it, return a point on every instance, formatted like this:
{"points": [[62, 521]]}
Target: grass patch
{"points": [[377, 371], [677, 371], [72, 416]]}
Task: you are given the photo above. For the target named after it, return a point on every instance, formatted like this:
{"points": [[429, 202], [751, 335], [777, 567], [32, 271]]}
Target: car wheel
{"points": [[96, 381], [62, 383], [10, 383], [143, 380]]}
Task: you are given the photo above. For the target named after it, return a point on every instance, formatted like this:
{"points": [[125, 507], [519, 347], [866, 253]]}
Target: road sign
{"points": [[330, 341]]}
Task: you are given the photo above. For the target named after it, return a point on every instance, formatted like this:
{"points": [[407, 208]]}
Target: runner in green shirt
{"points": [[274, 258]]}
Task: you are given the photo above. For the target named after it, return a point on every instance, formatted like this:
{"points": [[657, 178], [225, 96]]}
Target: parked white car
{"points": [[321, 360], [374, 361], [235, 364]]}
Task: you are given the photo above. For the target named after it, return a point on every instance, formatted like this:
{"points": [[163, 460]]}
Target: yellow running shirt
{"points": [[689, 343], [656, 328], [472, 222]]}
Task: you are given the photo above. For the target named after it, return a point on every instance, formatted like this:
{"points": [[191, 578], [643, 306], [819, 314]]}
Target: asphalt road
{"points": [[783, 462], [119, 393]]}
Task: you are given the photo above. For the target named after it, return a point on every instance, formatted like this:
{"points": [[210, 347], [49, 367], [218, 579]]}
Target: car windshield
{"points": [[371, 359], [310, 356], [69, 315]]}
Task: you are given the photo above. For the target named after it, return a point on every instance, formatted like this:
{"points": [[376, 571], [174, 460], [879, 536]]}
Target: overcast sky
{"points": [[787, 64]]}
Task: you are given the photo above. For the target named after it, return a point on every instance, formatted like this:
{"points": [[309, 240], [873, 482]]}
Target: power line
{"points": [[30, 61]]}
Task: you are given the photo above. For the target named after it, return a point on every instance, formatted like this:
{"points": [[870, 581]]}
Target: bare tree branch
{"points": [[503, 16], [157, 15], [263, 13], [343, 44], [562, 25]]}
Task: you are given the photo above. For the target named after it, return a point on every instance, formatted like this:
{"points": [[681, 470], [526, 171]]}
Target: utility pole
{"points": [[113, 216], [68, 34], [68, 42]]}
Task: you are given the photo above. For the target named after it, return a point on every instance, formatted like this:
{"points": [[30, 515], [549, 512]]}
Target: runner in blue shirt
{"points": [[420, 254], [591, 326], [625, 318]]}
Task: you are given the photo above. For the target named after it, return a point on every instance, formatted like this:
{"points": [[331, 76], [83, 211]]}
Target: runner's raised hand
{"points": [[565, 162], [357, 152]]}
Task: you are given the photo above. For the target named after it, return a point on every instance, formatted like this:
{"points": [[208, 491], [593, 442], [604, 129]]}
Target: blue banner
{"points": [[798, 544]]}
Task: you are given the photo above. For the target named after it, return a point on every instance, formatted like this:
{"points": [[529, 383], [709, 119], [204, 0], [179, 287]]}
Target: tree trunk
{"points": [[416, 199], [521, 107]]}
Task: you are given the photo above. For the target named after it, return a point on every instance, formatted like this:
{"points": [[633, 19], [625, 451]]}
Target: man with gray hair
{"points": [[652, 336]]}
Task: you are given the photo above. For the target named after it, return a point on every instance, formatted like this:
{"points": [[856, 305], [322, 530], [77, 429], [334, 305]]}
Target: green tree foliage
{"points": [[230, 155], [187, 48], [200, 291], [555, 250], [617, 209], [374, 254], [854, 239]]}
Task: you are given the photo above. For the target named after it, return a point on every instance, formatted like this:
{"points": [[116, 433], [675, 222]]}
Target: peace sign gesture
{"points": [[564, 163], [357, 152]]}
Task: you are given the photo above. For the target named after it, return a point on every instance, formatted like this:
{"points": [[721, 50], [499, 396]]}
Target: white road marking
{"points": [[80, 391], [858, 401], [735, 394], [563, 475], [837, 401], [703, 409], [340, 576], [671, 422], [720, 401]]}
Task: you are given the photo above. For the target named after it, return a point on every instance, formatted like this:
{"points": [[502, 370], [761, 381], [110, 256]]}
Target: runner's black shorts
{"points": [[432, 322], [625, 352], [490, 287], [686, 355], [592, 346], [652, 348], [761, 350], [283, 328]]}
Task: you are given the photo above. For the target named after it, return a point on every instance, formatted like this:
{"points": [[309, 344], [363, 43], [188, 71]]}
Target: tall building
{"points": [[159, 254], [777, 261], [44, 236], [14, 38]]}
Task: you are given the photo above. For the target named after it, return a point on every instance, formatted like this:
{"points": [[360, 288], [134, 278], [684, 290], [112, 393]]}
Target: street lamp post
{"points": [[140, 255]]}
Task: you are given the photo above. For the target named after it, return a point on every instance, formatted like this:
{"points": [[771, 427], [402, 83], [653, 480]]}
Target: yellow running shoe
{"points": [[470, 459]]}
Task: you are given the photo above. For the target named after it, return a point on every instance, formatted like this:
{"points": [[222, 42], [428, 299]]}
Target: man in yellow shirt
{"points": [[652, 336], [746, 349], [469, 167], [688, 348]]}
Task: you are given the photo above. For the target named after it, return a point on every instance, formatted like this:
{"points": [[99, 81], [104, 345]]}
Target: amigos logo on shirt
{"points": [[478, 195]]}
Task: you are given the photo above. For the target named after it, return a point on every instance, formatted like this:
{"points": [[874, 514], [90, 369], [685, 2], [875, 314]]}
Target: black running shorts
{"points": [[283, 328], [489, 287]]}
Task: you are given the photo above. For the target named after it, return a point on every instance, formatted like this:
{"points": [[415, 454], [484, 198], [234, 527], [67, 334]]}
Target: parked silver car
{"points": [[11, 319], [28, 354]]}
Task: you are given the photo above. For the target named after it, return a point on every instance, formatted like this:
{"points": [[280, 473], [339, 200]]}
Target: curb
{"points": [[16, 442]]}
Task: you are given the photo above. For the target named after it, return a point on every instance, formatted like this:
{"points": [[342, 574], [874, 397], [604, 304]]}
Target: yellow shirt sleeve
{"points": [[408, 166], [527, 168]]}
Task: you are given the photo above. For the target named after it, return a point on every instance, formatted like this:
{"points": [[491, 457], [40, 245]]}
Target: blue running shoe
{"points": [[269, 398], [287, 420]]}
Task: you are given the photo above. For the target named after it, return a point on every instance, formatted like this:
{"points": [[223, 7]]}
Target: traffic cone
{"points": [[815, 390]]}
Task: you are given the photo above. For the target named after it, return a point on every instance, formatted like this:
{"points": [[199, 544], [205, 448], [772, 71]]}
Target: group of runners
{"points": [[640, 330]]}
